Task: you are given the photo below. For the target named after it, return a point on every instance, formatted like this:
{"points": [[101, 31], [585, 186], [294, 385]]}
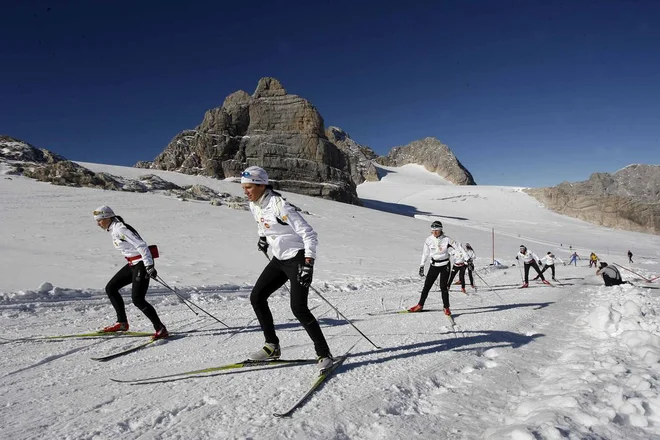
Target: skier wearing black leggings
{"points": [[529, 259], [137, 272], [436, 247], [293, 243]]}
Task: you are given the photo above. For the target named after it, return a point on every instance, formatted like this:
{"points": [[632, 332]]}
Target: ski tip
{"points": [[281, 416]]}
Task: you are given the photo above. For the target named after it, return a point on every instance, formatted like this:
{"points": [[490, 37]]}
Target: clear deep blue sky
{"points": [[524, 92]]}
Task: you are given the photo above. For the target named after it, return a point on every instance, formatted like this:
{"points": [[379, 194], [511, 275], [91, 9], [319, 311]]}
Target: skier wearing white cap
{"points": [[137, 272], [436, 247], [293, 244], [529, 259]]}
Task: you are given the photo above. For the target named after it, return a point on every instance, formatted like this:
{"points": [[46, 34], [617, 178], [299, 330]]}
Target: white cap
{"points": [[256, 175], [103, 212]]}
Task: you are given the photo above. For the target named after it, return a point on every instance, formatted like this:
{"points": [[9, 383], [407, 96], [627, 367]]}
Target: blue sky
{"points": [[525, 93]]}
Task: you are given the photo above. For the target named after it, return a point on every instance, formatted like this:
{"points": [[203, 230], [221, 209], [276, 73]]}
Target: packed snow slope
{"points": [[575, 360]]}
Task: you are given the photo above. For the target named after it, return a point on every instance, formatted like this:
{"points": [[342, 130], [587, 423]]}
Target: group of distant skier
{"points": [[293, 243]]}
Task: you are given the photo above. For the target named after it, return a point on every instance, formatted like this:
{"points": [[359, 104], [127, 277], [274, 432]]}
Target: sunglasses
{"points": [[246, 174], [98, 212]]}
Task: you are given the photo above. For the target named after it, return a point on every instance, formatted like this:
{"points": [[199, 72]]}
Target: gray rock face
{"points": [[361, 158], [280, 132], [628, 199], [46, 166], [12, 149], [434, 156]]}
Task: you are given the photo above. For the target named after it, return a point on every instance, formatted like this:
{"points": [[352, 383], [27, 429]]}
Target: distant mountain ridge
{"points": [[46, 166], [285, 134], [627, 199]]}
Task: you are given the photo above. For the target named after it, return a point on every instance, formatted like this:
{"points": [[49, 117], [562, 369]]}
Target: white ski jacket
{"points": [[549, 260], [527, 257], [286, 231], [130, 244], [438, 250], [459, 258]]}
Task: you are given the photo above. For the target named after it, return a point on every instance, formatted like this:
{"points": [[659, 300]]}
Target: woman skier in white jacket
{"points": [[293, 244], [137, 272]]}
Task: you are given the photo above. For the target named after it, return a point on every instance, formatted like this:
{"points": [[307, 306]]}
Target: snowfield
{"points": [[574, 360]]}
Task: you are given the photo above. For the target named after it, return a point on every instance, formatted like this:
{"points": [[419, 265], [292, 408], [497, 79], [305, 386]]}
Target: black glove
{"points": [[305, 274], [539, 263], [471, 266], [262, 244], [151, 271], [421, 271]]}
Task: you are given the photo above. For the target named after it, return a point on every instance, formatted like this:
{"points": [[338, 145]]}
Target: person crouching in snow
{"points": [[137, 272], [530, 260], [611, 275], [436, 247], [293, 244]]}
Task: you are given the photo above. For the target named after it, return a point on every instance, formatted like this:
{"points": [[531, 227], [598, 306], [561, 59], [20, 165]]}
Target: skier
{"points": [[574, 258], [470, 263], [530, 259], [630, 256], [137, 272], [436, 246], [293, 244], [459, 266], [549, 263], [610, 274], [593, 260]]}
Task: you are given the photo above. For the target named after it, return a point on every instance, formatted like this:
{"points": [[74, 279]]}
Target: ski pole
{"points": [[641, 276], [488, 285], [164, 284], [336, 310]]}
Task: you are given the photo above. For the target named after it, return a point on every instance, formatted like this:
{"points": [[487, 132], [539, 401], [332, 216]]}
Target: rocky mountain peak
{"points": [[280, 132], [12, 149], [361, 157], [627, 199], [269, 87], [435, 156]]}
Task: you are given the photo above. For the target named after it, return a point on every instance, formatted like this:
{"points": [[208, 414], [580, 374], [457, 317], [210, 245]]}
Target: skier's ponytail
{"points": [[129, 227]]}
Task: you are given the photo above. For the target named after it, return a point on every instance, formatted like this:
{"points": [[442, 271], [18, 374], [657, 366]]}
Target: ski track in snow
{"points": [[421, 382]]}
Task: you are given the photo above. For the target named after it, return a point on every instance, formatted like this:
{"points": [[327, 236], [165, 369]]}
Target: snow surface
{"points": [[576, 361]]}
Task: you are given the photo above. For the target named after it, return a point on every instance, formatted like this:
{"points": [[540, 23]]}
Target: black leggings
{"points": [[431, 276], [272, 278], [137, 276], [461, 276], [536, 268], [469, 271], [552, 267]]}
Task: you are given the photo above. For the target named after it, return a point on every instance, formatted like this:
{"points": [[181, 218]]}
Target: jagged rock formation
{"points": [[281, 132], [46, 166], [434, 156], [12, 149], [628, 199], [361, 158]]}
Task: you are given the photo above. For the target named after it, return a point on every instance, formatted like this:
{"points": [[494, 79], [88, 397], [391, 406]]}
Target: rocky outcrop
{"points": [[280, 132], [435, 156], [628, 199], [46, 166], [12, 149], [361, 158]]}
